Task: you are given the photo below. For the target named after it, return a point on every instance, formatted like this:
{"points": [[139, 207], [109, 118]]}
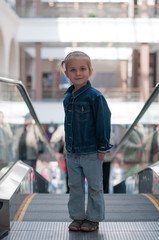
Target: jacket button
{"points": [[70, 137]]}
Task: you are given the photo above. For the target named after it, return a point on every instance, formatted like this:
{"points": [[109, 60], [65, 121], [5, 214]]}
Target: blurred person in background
{"points": [[154, 148], [107, 165], [134, 151], [5, 140], [106, 175], [58, 143], [26, 142]]}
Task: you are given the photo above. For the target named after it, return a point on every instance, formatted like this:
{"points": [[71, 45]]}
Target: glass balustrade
{"points": [[21, 135], [139, 148]]}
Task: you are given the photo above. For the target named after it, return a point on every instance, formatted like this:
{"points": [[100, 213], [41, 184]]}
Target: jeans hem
{"points": [[77, 218], [95, 220]]}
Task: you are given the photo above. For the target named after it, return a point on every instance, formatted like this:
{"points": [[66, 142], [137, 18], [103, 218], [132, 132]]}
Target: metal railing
{"points": [[87, 9], [131, 94]]}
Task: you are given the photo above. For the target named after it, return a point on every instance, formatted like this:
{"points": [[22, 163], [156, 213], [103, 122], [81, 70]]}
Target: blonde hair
{"points": [[73, 55]]}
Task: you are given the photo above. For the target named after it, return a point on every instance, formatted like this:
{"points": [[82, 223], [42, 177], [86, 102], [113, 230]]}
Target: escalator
{"points": [[28, 210]]}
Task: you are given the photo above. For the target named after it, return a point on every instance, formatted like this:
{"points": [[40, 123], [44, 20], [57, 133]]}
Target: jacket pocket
{"points": [[82, 112]]}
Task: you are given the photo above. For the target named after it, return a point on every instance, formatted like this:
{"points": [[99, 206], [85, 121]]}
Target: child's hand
{"points": [[101, 156]]}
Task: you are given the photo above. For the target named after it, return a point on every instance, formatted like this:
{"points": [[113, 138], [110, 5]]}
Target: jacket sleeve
{"points": [[103, 124]]}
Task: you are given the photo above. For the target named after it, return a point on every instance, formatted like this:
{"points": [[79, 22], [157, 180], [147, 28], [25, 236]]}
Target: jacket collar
{"points": [[78, 92]]}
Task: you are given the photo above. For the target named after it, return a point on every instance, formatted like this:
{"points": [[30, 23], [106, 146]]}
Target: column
{"points": [[38, 72], [123, 72], [38, 8], [55, 85], [130, 74], [131, 9], [54, 74], [156, 8], [22, 66], [144, 9], [135, 66], [124, 10], [144, 71], [21, 7], [157, 68]]}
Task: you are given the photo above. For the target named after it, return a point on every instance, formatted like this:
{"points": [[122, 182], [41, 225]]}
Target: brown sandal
{"points": [[89, 226], [75, 225]]}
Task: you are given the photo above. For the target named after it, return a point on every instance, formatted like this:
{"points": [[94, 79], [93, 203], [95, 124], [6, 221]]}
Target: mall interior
{"points": [[121, 37]]}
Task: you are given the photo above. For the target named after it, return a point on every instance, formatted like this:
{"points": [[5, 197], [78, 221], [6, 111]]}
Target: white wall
{"points": [[9, 23], [120, 30]]}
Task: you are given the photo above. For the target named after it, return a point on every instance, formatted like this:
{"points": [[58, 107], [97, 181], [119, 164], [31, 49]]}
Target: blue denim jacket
{"points": [[87, 120]]}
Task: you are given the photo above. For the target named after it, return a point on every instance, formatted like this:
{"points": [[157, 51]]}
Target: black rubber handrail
{"points": [[26, 98]]}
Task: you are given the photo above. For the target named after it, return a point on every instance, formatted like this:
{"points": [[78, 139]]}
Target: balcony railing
{"points": [[103, 9], [132, 94]]}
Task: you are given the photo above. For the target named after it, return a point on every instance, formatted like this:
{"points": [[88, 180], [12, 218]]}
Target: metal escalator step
{"points": [[118, 207], [107, 231]]}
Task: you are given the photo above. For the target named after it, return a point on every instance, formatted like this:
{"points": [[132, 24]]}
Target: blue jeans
{"points": [[81, 166]]}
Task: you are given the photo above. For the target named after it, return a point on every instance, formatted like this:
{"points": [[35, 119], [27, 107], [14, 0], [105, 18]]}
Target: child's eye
{"points": [[72, 70], [82, 69]]}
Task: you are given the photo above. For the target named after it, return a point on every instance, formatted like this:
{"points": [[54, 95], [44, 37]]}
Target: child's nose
{"points": [[78, 72]]}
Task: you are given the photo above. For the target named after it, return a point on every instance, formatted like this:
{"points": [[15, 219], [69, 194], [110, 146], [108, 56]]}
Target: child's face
{"points": [[78, 72]]}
